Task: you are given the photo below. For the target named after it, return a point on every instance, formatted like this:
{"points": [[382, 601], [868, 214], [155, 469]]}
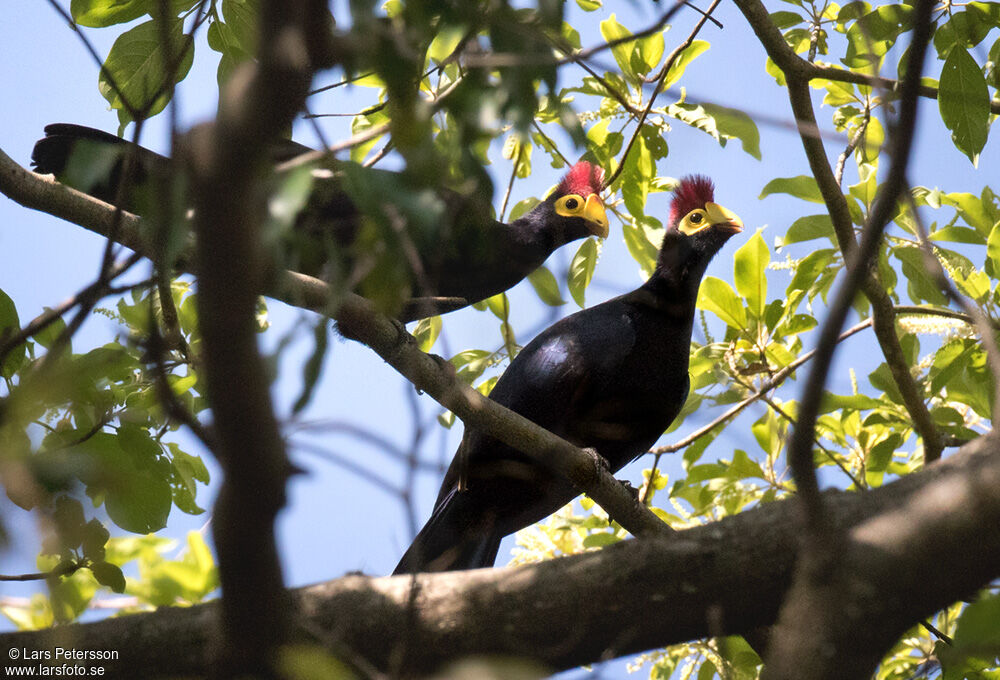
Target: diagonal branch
{"points": [[386, 336]]}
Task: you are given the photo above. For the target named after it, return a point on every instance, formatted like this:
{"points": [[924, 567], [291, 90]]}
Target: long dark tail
{"points": [[455, 537], [92, 161]]}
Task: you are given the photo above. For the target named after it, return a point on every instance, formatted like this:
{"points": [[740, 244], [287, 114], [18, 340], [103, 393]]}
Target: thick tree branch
{"points": [[797, 76], [914, 546]]}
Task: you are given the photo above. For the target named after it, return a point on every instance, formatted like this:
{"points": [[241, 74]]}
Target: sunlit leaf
{"points": [[964, 102], [749, 269], [718, 297], [546, 286], [581, 270]]}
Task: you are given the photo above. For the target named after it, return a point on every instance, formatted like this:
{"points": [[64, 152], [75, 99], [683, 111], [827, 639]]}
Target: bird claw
{"points": [[634, 492], [600, 462]]}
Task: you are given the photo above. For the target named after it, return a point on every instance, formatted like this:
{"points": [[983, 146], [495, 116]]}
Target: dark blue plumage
{"points": [[612, 377], [438, 244]]}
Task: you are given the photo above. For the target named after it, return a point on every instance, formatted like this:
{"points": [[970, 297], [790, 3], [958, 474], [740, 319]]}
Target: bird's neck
{"points": [[678, 273], [539, 229]]}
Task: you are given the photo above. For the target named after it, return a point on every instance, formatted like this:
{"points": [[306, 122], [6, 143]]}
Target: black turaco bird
{"points": [[463, 255], [612, 378]]}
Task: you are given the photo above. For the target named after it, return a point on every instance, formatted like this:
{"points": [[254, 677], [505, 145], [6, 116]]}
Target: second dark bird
{"points": [[447, 244], [612, 377]]}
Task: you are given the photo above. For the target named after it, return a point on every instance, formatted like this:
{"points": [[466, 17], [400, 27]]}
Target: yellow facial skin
{"points": [[590, 209], [713, 215]]}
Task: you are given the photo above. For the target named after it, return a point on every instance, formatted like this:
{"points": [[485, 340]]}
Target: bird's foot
{"points": [[634, 492], [600, 462], [444, 364]]}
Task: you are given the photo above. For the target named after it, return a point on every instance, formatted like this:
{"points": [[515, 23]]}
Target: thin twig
{"points": [[358, 139], [838, 172], [768, 385], [95, 291], [551, 144], [62, 570], [664, 72], [510, 183]]}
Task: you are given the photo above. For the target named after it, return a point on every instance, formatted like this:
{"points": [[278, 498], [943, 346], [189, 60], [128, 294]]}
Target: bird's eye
{"points": [[696, 218], [572, 204]]}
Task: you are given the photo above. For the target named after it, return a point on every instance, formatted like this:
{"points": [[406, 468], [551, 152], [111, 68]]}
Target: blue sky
{"points": [[337, 521]]}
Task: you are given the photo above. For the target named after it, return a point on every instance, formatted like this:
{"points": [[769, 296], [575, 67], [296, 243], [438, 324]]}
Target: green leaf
{"points": [[749, 269], [956, 234], [136, 497], [734, 123], [806, 229], [721, 122], [600, 539], [687, 55], [313, 366], [426, 332], [871, 36], [811, 268], [743, 467], [68, 518], [964, 101], [469, 364], [138, 65], [965, 29], [921, 285], [9, 325], [612, 30], [444, 43], [95, 537], [109, 575], [546, 287], [717, 296], [48, 335], [649, 51], [977, 626], [785, 20], [522, 208], [302, 661], [101, 13], [993, 252], [581, 270], [802, 186], [642, 240]]}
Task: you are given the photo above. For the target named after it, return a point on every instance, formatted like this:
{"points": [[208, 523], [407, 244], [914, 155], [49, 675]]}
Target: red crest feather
{"points": [[583, 179], [693, 192]]}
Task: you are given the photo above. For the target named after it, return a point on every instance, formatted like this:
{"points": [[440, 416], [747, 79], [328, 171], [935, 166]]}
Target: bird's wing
{"points": [[560, 374]]}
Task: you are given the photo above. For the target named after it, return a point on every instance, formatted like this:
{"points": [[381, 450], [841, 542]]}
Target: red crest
{"points": [[583, 179], [693, 192]]}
